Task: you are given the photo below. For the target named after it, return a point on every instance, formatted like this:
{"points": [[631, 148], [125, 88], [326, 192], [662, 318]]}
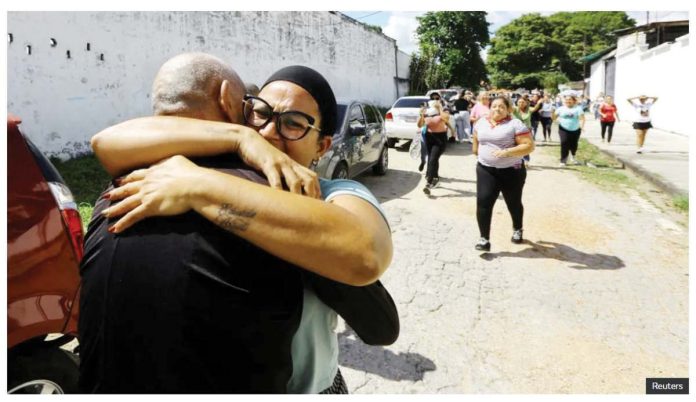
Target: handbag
{"points": [[415, 149]]}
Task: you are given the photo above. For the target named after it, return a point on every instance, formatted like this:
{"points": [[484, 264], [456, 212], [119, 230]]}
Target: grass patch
{"points": [[600, 169], [681, 202], [86, 179]]}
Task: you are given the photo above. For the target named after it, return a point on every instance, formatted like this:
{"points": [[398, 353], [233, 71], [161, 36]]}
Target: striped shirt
{"points": [[493, 137]]}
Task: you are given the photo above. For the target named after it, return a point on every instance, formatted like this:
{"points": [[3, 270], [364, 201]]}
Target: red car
{"points": [[44, 247]]}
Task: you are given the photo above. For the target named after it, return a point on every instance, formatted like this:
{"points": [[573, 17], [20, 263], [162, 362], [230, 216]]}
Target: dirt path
{"points": [[595, 301]]}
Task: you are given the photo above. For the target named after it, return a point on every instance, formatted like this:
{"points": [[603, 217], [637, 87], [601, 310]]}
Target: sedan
{"points": [[360, 143], [401, 119]]}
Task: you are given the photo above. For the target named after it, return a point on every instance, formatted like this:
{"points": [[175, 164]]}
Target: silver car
{"points": [[360, 143]]}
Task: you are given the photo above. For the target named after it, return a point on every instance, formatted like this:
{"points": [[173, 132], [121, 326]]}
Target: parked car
{"points": [[360, 143], [401, 119], [44, 247]]}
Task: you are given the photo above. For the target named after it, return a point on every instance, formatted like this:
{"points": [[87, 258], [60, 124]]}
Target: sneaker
{"points": [[427, 188], [562, 164], [421, 166], [517, 236], [483, 245], [640, 150], [435, 182]]}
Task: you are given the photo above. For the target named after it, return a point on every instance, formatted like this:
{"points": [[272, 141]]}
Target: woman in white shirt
{"points": [[642, 124]]}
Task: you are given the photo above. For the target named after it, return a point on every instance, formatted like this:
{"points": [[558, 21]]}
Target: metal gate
{"points": [[609, 76]]}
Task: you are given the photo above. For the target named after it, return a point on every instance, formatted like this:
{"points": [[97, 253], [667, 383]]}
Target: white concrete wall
{"points": [[663, 71], [596, 79], [65, 101], [403, 69]]}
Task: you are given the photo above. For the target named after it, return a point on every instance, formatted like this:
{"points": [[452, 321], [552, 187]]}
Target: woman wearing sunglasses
{"points": [[333, 228]]}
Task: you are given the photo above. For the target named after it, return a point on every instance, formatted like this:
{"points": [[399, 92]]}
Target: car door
{"points": [[356, 140], [374, 134]]}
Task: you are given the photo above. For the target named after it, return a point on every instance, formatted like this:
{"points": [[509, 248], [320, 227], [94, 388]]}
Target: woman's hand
{"points": [[161, 190], [501, 153], [258, 153]]}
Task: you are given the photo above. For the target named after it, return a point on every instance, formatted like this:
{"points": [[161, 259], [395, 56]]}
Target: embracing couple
{"points": [[217, 261]]}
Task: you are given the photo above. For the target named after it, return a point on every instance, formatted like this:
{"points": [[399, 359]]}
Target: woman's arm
{"points": [[144, 141], [346, 239], [523, 146], [474, 143], [582, 121]]}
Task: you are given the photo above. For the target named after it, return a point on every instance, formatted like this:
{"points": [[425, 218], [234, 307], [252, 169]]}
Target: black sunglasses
{"points": [[291, 125]]}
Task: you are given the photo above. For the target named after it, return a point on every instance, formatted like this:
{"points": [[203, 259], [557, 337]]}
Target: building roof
{"points": [[594, 56], [646, 27]]}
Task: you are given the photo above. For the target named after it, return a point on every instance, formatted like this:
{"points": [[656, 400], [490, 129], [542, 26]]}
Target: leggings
{"points": [[546, 127], [569, 142], [490, 182], [535, 126], [436, 143], [605, 125]]}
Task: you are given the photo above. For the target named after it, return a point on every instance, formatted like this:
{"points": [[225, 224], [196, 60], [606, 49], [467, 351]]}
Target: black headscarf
{"points": [[317, 86]]}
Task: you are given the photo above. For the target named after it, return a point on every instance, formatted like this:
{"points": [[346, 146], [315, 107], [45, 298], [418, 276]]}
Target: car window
{"points": [[341, 114], [410, 102], [356, 117], [372, 114]]}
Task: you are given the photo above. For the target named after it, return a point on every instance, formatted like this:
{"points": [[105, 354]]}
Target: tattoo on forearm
{"points": [[232, 219]]}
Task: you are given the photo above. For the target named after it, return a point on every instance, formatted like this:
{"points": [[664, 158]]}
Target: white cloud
{"points": [[402, 27]]}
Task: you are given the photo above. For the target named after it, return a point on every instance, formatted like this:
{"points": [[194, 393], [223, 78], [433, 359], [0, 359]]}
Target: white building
{"points": [[72, 74], [653, 60]]}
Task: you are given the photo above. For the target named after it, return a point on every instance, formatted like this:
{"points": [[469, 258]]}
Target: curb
{"points": [[655, 179]]}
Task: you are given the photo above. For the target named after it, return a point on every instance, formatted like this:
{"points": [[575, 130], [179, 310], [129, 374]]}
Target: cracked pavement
{"points": [[594, 301]]}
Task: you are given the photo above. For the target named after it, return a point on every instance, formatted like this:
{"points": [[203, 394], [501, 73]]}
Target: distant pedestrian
{"points": [[596, 105], [461, 117], [481, 108], [545, 113], [643, 123], [535, 105], [435, 119], [608, 114], [523, 113], [571, 121], [500, 142]]}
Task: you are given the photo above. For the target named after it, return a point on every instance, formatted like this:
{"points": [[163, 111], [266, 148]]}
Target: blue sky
{"points": [[401, 25]]}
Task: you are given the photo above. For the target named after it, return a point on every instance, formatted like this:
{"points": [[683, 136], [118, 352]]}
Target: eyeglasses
{"points": [[291, 125]]}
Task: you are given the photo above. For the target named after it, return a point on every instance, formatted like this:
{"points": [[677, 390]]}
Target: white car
{"points": [[401, 119]]}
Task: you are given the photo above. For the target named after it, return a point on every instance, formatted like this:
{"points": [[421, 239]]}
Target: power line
{"points": [[368, 15]]}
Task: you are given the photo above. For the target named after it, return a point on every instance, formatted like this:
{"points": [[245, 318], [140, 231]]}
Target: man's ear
{"points": [[230, 106]]}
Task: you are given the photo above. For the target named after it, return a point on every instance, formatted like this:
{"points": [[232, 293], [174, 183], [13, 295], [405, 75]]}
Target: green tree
{"points": [[523, 53], [534, 51], [450, 46], [585, 32]]}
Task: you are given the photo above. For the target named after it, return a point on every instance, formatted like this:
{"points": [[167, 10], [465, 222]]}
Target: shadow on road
{"points": [[561, 252], [394, 184], [380, 361]]}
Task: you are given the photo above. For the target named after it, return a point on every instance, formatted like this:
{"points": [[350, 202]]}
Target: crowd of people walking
{"points": [[502, 128]]}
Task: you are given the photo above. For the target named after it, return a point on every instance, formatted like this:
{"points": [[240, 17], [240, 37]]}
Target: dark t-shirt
{"points": [[179, 305], [462, 105]]}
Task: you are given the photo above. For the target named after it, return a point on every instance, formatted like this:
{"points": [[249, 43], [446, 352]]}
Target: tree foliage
{"points": [[534, 51], [450, 46]]}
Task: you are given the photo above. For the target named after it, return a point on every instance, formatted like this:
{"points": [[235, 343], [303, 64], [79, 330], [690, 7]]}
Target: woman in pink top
{"points": [[435, 119], [481, 108]]}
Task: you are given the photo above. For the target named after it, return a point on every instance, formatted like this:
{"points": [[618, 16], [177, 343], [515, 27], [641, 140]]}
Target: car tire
{"points": [[391, 142], [341, 171], [35, 370], [382, 164]]}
